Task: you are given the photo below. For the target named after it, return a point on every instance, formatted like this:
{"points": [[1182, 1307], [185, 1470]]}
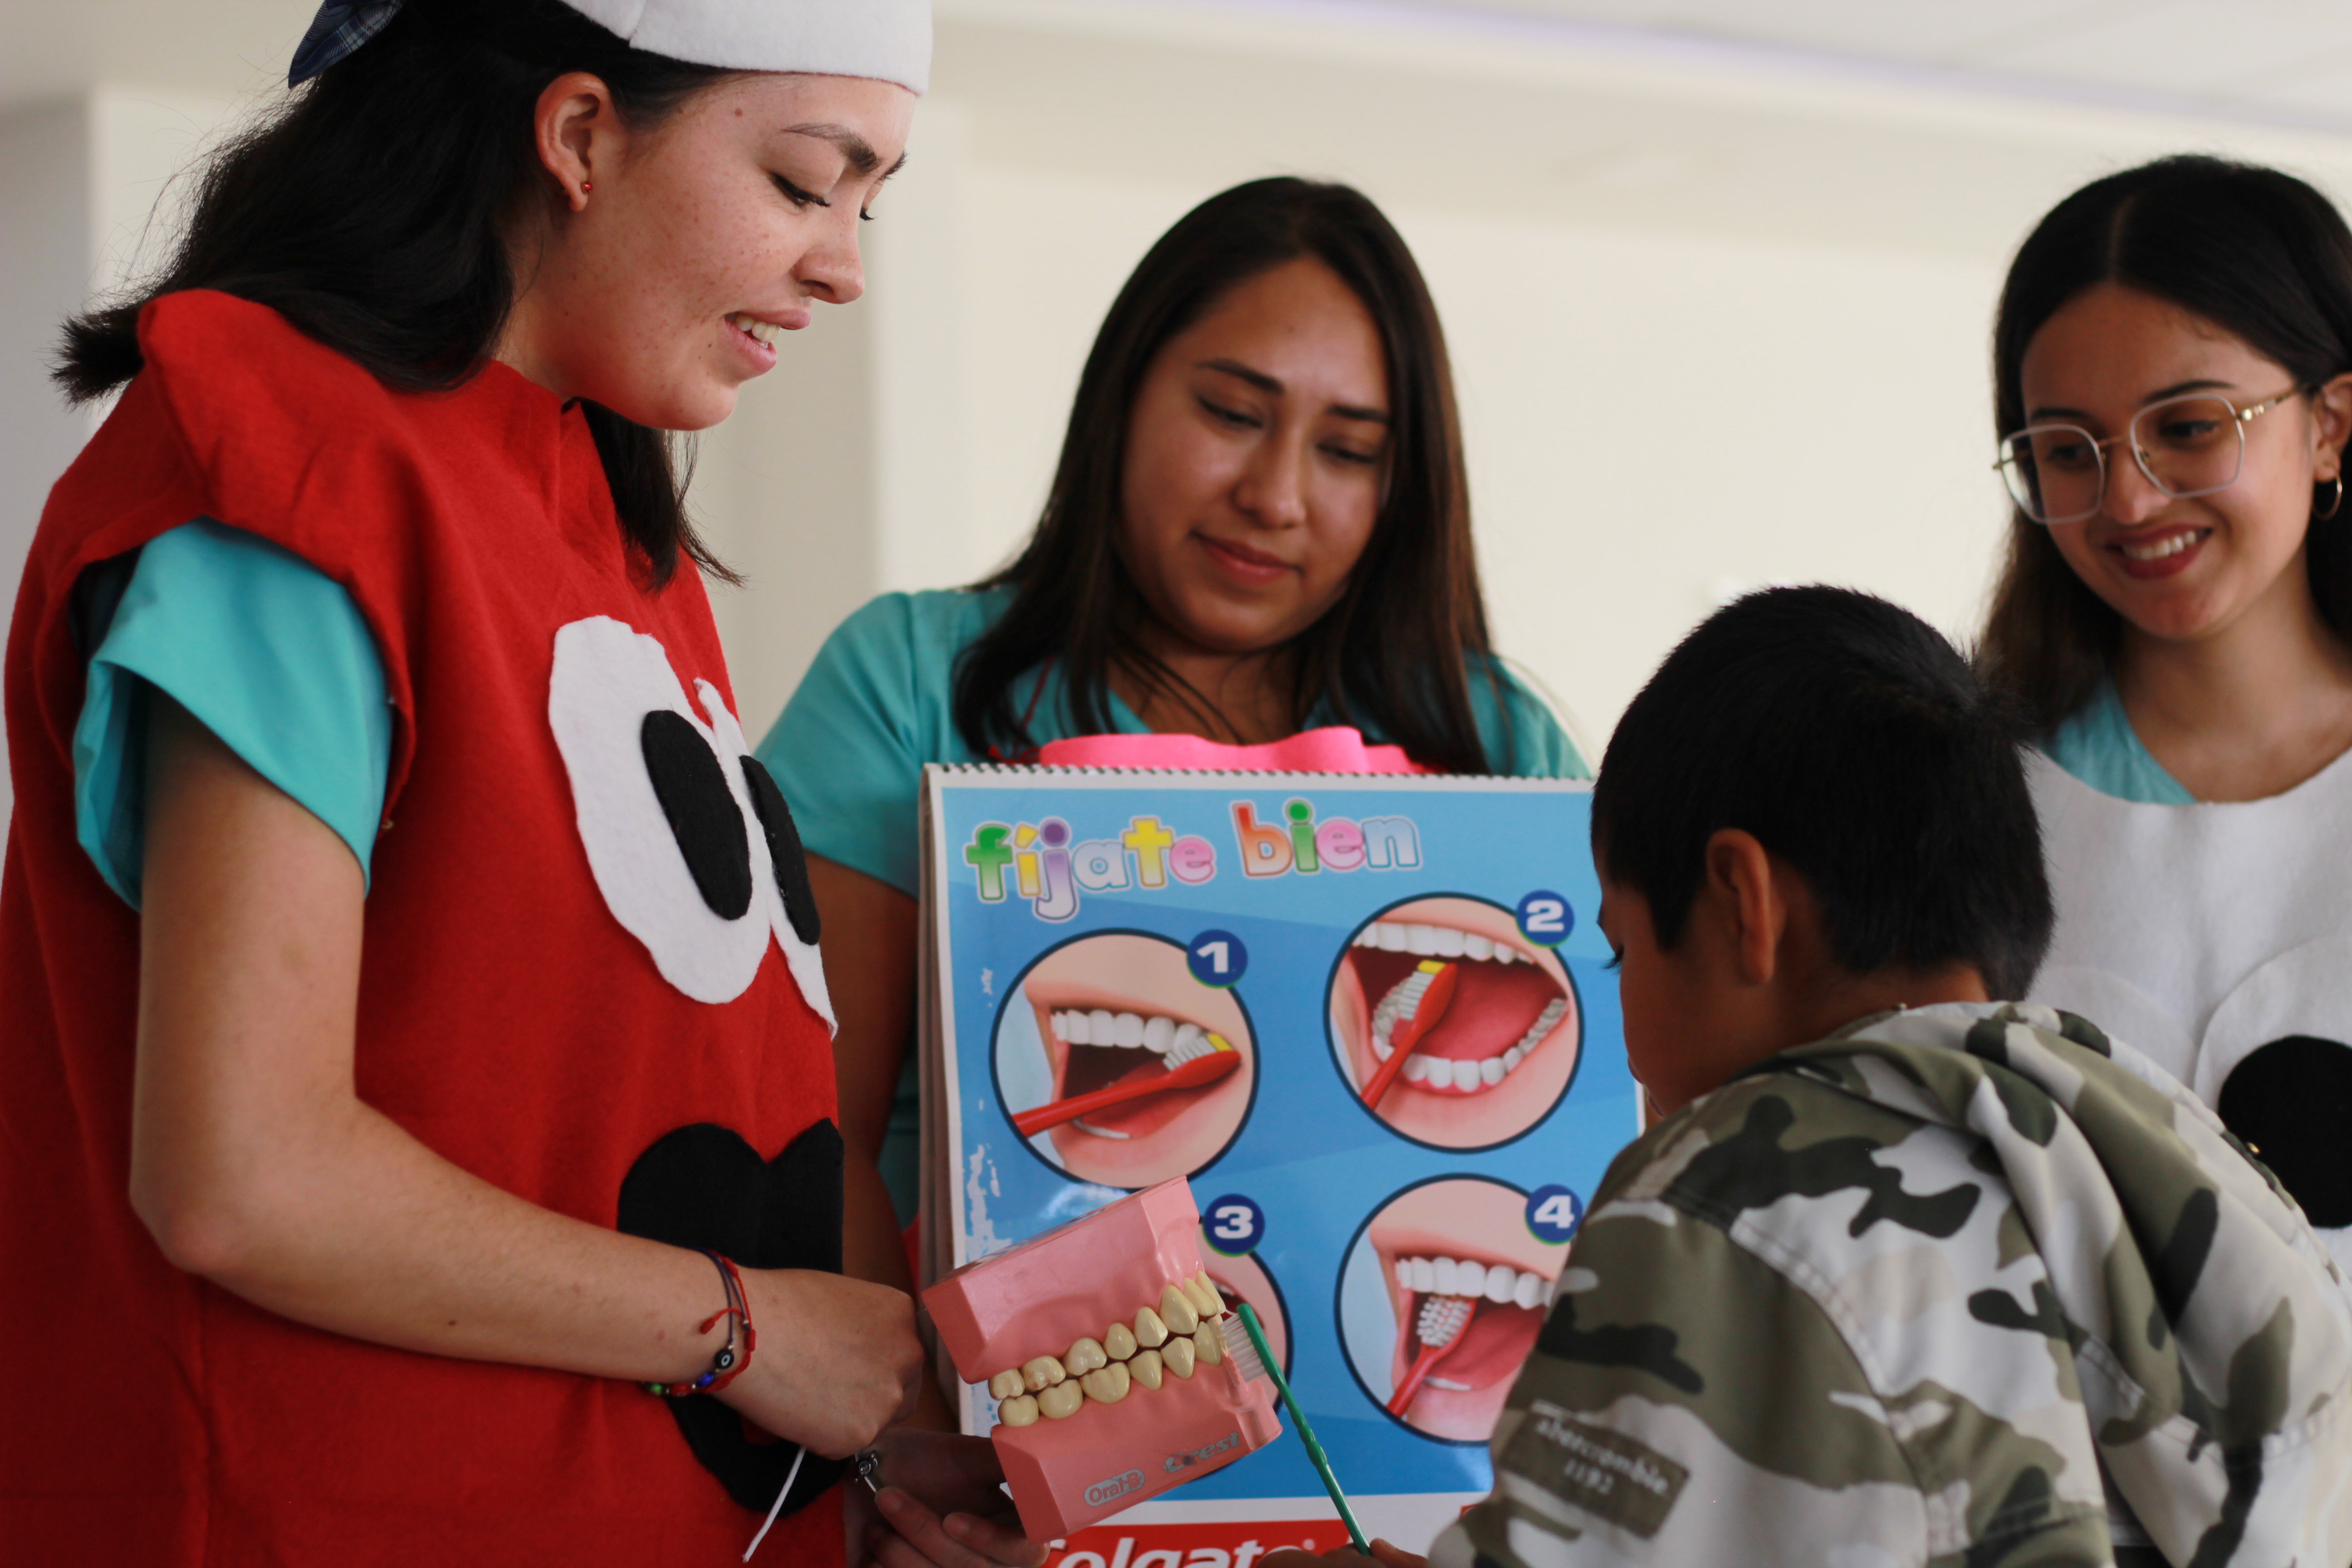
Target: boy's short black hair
{"points": [[1857, 745]]}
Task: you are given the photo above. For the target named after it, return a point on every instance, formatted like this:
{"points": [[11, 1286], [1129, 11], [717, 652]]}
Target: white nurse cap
{"points": [[889, 40]]}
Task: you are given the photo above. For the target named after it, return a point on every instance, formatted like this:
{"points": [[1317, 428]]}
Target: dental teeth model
{"points": [[1104, 1369], [1103, 1345]]}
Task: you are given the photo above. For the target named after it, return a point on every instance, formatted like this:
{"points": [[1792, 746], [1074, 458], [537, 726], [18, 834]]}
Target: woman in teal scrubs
{"points": [[1260, 525]]}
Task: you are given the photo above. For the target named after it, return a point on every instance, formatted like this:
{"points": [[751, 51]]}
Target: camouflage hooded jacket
{"points": [[1962, 1285]]}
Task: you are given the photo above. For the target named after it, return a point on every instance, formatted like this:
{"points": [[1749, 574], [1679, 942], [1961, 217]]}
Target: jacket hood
{"points": [[2211, 1333]]}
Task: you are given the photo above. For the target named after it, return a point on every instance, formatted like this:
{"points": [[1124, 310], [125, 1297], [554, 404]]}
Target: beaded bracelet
{"points": [[726, 1366]]}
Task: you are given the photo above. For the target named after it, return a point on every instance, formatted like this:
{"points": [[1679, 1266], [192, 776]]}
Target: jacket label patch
{"points": [[1607, 1474]]}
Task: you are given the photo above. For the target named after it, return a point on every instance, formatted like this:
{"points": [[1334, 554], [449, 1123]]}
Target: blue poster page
{"points": [[1370, 1018]]}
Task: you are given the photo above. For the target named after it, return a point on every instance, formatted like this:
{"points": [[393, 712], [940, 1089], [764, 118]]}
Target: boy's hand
{"points": [[1384, 1554], [940, 1503]]}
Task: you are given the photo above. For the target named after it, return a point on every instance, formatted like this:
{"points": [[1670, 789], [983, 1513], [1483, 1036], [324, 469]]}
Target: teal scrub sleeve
{"points": [[2097, 744], [849, 748], [1538, 746], [267, 652]]}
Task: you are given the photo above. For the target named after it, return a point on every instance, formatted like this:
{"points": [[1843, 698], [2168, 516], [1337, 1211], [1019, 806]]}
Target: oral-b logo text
{"points": [[1114, 1489], [1175, 1462], [1048, 865]]}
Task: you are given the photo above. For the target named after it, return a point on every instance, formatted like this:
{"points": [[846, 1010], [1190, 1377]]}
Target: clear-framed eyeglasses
{"points": [[2187, 446]]}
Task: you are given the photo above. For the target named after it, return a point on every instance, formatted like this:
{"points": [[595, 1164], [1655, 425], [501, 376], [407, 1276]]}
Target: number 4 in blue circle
{"points": [[1553, 1213], [1218, 958], [1235, 1225], [1545, 918]]}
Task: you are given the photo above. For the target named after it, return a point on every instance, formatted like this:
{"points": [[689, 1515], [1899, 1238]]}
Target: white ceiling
{"points": [[2281, 60]]}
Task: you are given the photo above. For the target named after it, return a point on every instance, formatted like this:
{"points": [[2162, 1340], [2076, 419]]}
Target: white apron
{"points": [[2218, 939]]}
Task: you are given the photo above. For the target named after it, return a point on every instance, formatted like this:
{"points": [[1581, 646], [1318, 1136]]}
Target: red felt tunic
{"points": [[507, 1017]]}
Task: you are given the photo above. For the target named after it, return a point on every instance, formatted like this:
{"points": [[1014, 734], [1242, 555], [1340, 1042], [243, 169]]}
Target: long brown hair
{"points": [[1396, 653], [372, 213], [2259, 254]]}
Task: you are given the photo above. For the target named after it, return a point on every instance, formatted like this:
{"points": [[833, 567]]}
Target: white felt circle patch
{"points": [[665, 812]]}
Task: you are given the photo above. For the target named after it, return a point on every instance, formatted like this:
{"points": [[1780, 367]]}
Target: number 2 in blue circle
{"points": [[1545, 918], [1553, 1213], [1218, 958], [1234, 1224]]}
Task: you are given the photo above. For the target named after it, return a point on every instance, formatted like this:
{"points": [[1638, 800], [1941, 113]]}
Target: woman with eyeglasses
{"points": [[1260, 525], [2173, 385]]}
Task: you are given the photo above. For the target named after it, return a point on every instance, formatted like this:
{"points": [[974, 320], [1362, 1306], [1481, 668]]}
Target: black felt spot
{"points": [[784, 850], [2292, 1101], [704, 1186], [703, 816]]}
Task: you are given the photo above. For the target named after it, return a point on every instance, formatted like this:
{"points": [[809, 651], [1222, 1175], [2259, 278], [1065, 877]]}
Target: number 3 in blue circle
{"points": [[1218, 958], [1545, 918], [1553, 1213], [1234, 1224]]}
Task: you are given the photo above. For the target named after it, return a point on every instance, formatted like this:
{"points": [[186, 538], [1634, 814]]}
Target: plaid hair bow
{"points": [[340, 27]]}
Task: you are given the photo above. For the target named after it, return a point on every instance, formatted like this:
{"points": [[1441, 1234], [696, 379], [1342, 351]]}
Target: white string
{"points": [[777, 1507]]}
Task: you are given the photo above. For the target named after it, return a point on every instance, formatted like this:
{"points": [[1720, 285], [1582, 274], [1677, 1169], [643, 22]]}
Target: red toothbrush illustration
{"points": [[1421, 1001], [1442, 1319], [1190, 1066]]}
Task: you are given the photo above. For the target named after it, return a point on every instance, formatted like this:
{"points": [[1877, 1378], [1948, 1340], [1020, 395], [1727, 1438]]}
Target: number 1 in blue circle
{"points": [[1234, 1224], [1545, 918], [1218, 958]]}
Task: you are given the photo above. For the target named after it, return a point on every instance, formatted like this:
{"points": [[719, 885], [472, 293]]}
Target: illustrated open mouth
{"points": [[1504, 1003], [1106, 1047], [1481, 1317]]}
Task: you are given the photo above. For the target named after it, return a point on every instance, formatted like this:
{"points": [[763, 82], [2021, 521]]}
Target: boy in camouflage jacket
{"points": [[1905, 1275]]}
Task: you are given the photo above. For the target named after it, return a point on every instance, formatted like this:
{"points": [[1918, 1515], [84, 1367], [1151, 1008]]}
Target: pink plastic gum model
{"points": [[1038, 1299]]}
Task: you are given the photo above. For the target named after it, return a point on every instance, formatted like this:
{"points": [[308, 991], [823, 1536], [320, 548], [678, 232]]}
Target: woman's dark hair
{"points": [[2259, 254], [1396, 653], [374, 213], [1857, 745]]}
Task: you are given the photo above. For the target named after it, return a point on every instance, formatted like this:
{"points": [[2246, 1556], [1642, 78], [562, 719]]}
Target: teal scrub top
{"points": [[265, 650], [2098, 745], [849, 749]]}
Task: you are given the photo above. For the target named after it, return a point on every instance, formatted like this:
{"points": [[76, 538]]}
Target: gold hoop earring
{"points": [[2334, 502]]}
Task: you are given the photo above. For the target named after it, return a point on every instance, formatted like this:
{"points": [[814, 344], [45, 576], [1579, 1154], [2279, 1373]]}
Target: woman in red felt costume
{"points": [[417, 1038]]}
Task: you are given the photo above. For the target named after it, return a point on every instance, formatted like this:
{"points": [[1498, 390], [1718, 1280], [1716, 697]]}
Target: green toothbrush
{"points": [[1255, 1360]]}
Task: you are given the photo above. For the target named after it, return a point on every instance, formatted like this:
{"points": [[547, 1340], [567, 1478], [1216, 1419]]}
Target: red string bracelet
{"points": [[725, 1365]]}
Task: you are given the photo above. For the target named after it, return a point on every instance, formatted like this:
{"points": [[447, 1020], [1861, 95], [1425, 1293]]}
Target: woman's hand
{"points": [[837, 1362], [940, 1504]]}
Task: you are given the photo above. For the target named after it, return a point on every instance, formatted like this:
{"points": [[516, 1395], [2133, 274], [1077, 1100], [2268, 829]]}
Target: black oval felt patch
{"points": [[704, 1186], [784, 850], [703, 813], [2291, 1102]]}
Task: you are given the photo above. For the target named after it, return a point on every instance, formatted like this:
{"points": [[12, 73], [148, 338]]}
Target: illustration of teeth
{"points": [[1019, 1411], [1460, 1075], [1042, 1374], [1005, 1385], [1145, 1368], [1177, 1354], [1434, 1381], [1158, 1033], [1150, 1333], [1119, 1341], [1106, 1383], [1177, 1313], [1208, 1344], [1437, 942], [1062, 1401], [1085, 1355], [1497, 1282]]}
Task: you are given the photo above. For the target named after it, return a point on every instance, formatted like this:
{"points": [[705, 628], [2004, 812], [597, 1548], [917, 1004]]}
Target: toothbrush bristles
{"points": [[1237, 1345], [1193, 1050], [1442, 1317]]}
